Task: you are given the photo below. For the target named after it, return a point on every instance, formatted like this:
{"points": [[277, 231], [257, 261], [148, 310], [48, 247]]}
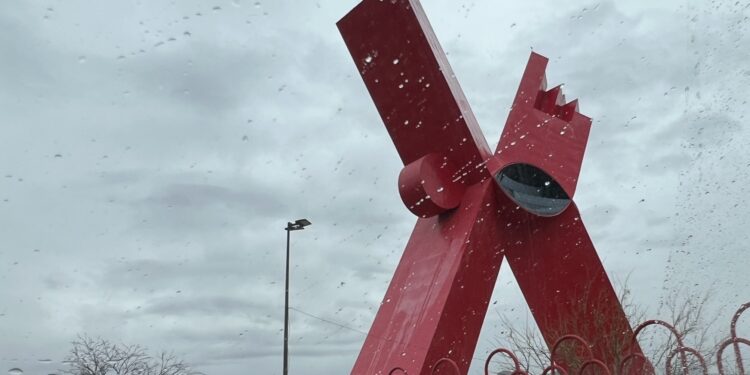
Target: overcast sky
{"points": [[152, 152]]}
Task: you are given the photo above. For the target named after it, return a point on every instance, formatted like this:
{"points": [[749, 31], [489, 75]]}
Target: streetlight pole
{"points": [[286, 306], [297, 225]]}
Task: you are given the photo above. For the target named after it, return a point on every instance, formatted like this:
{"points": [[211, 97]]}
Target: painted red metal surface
{"points": [[427, 185], [437, 300]]}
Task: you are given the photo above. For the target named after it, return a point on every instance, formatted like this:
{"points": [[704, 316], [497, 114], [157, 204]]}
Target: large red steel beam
{"points": [[475, 207]]}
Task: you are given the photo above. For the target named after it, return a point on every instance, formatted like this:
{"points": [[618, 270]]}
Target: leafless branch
{"points": [[97, 356], [687, 312]]}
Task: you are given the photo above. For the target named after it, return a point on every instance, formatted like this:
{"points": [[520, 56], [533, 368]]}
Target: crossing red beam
{"points": [[476, 207]]}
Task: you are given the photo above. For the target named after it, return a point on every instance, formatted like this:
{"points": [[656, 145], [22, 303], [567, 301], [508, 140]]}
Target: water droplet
{"points": [[15, 371], [368, 59], [395, 61], [81, 59], [546, 183]]}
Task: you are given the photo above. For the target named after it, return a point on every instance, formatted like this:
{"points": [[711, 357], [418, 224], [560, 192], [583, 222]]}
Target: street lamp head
{"points": [[302, 222], [298, 224]]}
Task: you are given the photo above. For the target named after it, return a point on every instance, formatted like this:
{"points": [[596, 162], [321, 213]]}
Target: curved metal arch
{"points": [[451, 362], [682, 351], [736, 341], [516, 363], [733, 330], [631, 356], [593, 362], [672, 329]]}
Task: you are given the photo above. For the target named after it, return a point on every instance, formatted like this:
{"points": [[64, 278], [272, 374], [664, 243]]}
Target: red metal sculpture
{"points": [[476, 207]]}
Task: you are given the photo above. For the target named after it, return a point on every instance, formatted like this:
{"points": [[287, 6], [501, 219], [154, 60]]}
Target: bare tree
{"points": [[97, 356], [685, 311]]}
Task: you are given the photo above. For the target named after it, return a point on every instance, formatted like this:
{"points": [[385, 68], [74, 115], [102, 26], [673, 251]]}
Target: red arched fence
{"points": [[447, 366]]}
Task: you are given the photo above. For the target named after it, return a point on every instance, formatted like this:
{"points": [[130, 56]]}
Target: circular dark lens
{"points": [[533, 189]]}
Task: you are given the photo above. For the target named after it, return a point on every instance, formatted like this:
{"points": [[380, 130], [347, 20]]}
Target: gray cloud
{"points": [[154, 152]]}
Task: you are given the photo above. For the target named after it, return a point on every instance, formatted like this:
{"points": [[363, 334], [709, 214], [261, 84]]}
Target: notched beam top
{"points": [[543, 131]]}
